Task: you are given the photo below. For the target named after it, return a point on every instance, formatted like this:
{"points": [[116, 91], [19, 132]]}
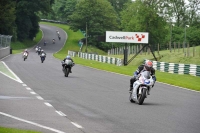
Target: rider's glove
{"points": [[137, 76], [154, 78]]}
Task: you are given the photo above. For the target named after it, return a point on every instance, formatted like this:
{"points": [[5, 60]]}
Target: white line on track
{"points": [[24, 85], [32, 92], [61, 113], [33, 123], [17, 78], [48, 104], [77, 125], [39, 97], [28, 88]]}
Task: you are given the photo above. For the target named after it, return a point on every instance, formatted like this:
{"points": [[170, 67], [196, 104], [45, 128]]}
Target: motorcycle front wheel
{"points": [[142, 96], [66, 72]]}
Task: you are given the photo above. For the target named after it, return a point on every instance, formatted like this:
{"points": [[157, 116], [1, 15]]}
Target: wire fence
{"points": [[5, 41]]}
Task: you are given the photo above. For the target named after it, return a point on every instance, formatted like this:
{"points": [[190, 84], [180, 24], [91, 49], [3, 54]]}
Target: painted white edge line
{"points": [[33, 123], [48, 104], [77, 125], [8, 76], [178, 87], [32, 92], [61, 113], [18, 79], [24, 85], [39, 97], [28, 88]]}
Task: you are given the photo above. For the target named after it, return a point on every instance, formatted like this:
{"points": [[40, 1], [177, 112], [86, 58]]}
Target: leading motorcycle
{"points": [[141, 87], [66, 67], [25, 55]]}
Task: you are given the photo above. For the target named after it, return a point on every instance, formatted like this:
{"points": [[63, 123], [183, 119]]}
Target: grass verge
{"points": [[13, 130], [18, 47]]}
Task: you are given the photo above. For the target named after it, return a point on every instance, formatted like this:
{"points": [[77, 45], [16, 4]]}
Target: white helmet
{"points": [[68, 57]]}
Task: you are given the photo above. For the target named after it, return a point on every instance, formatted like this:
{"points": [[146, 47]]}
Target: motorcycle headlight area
{"points": [[147, 81]]}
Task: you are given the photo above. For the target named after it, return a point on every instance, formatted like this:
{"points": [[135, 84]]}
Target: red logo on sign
{"points": [[139, 37]]}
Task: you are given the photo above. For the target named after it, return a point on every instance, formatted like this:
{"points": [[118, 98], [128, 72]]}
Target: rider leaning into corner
{"points": [[68, 58], [147, 66]]}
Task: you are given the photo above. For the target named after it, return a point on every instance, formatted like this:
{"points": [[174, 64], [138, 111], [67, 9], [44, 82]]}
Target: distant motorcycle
{"points": [[59, 37], [42, 56], [141, 88], [25, 55], [39, 51], [36, 49], [66, 67], [53, 41]]}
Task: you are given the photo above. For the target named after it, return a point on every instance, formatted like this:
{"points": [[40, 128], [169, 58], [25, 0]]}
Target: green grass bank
{"points": [[13, 130]]}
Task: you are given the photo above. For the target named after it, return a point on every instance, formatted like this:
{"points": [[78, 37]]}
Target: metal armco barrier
{"points": [[190, 69]]}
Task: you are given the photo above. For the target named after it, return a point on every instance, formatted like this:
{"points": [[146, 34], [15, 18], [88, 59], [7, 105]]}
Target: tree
{"points": [[7, 17], [26, 16], [66, 8], [99, 15], [140, 16]]}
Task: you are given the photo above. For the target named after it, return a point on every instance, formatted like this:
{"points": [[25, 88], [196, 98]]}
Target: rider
{"points": [[53, 40], [57, 32], [68, 58], [36, 48], [42, 51], [147, 66], [39, 50], [45, 43], [26, 51], [59, 37]]}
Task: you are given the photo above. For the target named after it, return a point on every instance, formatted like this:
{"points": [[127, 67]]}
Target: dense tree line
{"points": [[165, 20], [19, 17]]}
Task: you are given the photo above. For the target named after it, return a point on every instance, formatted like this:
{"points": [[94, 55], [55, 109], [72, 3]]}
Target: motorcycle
{"points": [[59, 37], [66, 67], [42, 56], [25, 55], [36, 49], [141, 87], [39, 51]]}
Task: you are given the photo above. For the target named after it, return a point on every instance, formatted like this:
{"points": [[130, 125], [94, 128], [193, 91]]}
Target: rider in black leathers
{"points": [[68, 58]]}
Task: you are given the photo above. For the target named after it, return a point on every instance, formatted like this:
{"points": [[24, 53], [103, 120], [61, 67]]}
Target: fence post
{"points": [[193, 50], [188, 50]]}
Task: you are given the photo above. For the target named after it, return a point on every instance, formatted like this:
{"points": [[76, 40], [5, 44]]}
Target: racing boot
{"points": [[148, 92], [130, 90], [70, 71]]}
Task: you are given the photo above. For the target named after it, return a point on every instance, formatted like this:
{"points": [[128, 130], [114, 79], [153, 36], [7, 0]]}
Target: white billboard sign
{"points": [[127, 37]]}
